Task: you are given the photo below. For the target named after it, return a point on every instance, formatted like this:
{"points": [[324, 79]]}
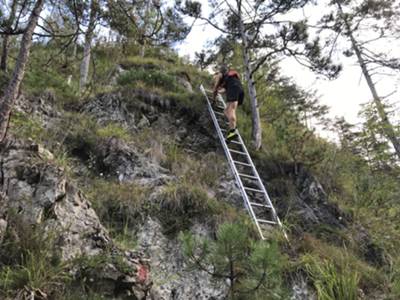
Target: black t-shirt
{"points": [[230, 80]]}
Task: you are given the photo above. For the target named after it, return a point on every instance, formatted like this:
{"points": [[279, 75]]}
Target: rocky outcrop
{"points": [[41, 106], [108, 108], [117, 159], [301, 197], [172, 279], [138, 109], [39, 193], [312, 205]]}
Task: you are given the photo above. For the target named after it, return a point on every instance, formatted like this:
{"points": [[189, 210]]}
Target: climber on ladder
{"points": [[229, 80]]}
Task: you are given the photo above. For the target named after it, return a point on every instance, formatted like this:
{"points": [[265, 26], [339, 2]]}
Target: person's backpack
{"points": [[232, 73], [229, 74]]}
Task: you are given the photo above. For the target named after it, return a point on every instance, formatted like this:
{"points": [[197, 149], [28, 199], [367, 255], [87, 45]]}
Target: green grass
{"points": [[180, 205], [330, 281], [347, 265], [30, 260], [113, 130], [24, 126], [132, 62], [119, 206], [152, 78]]}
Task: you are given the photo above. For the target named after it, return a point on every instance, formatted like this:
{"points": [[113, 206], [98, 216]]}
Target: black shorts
{"points": [[235, 93]]}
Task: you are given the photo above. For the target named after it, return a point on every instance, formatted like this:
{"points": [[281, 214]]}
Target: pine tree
{"points": [[146, 23], [263, 38], [251, 268], [11, 91], [357, 22], [84, 69], [8, 25]]}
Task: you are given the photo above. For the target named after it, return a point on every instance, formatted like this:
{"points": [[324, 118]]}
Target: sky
{"points": [[343, 95]]}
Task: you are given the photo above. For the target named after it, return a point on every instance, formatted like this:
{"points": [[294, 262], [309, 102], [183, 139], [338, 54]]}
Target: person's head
{"points": [[223, 69]]}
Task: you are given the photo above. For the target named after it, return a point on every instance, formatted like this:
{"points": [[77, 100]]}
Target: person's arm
{"points": [[217, 83]]}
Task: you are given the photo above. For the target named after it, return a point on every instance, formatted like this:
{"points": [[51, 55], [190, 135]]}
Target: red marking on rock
{"points": [[142, 273]]}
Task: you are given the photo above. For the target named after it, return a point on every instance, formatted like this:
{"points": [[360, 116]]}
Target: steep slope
{"points": [[109, 182], [39, 188]]}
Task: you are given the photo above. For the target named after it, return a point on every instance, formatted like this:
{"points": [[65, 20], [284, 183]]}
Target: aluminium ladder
{"points": [[255, 196]]}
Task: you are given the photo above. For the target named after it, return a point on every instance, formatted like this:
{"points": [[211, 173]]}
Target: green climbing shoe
{"points": [[231, 134]]}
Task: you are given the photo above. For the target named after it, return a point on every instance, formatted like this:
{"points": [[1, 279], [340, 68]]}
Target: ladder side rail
{"points": [[266, 195], [260, 183], [231, 164]]}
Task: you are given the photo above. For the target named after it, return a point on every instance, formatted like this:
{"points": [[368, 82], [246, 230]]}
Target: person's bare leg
{"points": [[230, 113], [227, 112], [232, 122]]}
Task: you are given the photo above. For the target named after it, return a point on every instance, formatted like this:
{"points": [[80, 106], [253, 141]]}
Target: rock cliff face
{"points": [[35, 188], [39, 193], [171, 278], [170, 274]]}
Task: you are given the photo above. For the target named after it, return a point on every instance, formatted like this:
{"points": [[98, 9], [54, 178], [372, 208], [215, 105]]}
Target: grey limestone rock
{"points": [[171, 277], [40, 193], [108, 108], [123, 161]]}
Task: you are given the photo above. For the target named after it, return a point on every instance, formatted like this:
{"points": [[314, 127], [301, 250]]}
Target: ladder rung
{"points": [[222, 122], [218, 113], [238, 152], [220, 107], [266, 221], [259, 204], [247, 176], [236, 142], [241, 163], [253, 190]]}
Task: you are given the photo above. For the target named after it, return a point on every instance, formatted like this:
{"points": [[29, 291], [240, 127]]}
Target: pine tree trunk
{"points": [[6, 38], [4, 53], [84, 69], [387, 126], [11, 91], [146, 16], [255, 119]]}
